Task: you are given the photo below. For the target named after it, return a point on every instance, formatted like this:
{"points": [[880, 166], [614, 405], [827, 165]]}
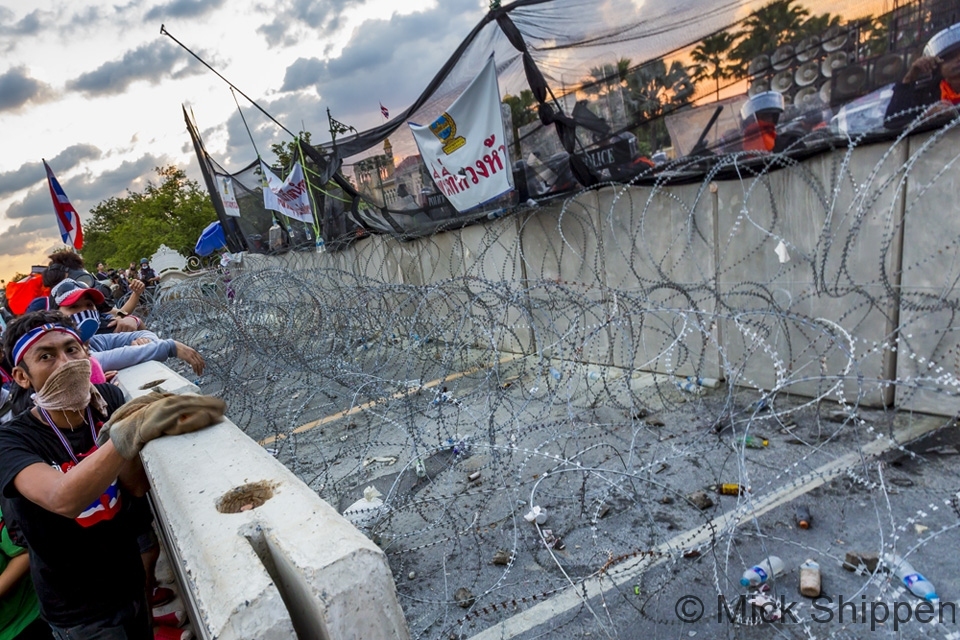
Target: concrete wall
{"points": [[686, 279], [257, 553], [928, 362]]}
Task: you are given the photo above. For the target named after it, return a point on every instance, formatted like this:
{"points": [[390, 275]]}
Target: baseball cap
{"points": [[68, 291], [39, 304]]}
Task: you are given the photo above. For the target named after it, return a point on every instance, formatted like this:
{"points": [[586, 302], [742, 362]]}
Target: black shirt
{"points": [[911, 100], [85, 568]]}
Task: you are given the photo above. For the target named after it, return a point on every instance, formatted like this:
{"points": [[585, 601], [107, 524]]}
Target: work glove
{"points": [[157, 414]]}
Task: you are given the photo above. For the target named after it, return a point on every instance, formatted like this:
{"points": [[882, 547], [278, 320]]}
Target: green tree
{"points": [[522, 112], [766, 29], [656, 90], [711, 58], [287, 153], [875, 35], [172, 212]]}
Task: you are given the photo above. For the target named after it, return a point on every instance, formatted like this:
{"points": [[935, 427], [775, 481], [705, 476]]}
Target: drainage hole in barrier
{"points": [[246, 497], [151, 385]]}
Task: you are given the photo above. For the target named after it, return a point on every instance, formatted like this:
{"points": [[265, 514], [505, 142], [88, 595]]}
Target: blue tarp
{"points": [[211, 240]]}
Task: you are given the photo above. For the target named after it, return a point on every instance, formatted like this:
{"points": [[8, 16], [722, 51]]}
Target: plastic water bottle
{"points": [[757, 575], [912, 579]]}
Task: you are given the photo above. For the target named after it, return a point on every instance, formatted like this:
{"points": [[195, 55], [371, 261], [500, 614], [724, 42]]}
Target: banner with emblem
{"points": [[290, 196], [465, 148], [228, 197]]}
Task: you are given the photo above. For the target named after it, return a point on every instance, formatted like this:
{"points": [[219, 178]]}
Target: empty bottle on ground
{"points": [[757, 575], [911, 578], [810, 579]]}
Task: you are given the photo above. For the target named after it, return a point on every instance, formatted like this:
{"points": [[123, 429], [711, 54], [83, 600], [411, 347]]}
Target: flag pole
{"points": [[163, 31], [313, 201]]}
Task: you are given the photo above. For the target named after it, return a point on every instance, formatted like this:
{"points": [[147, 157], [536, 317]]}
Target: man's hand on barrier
{"points": [[157, 414], [922, 67], [124, 325], [191, 357]]}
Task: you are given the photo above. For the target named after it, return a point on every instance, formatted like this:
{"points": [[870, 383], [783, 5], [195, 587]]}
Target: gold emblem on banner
{"points": [[445, 128]]}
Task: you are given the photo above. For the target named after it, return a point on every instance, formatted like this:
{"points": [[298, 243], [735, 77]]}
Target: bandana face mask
{"points": [[69, 389]]}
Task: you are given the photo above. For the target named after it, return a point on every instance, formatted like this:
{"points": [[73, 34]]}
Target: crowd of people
{"points": [[78, 550]]}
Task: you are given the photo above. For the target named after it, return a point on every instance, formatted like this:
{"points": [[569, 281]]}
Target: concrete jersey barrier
{"points": [[257, 553]]}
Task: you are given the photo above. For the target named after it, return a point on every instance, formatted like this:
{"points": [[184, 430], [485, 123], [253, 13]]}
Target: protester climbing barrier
{"points": [[589, 417]]}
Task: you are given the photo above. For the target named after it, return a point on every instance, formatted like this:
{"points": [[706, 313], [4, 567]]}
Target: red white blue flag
{"points": [[384, 111], [67, 217]]}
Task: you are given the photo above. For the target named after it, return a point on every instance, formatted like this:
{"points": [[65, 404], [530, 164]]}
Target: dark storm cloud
{"points": [[87, 190], [291, 18], [28, 25], [17, 239], [152, 62], [298, 111], [403, 53], [183, 9], [31, 173], [17, 89]]}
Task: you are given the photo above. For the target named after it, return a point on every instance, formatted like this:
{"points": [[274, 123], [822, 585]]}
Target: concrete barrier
{"points": [[257, 554]]}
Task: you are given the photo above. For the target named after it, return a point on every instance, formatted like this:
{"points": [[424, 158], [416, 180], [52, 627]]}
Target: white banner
{"points": [[289, 197], [228, 197], [465, 148]]}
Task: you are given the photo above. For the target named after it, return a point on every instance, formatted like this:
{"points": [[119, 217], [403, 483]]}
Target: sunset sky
{"points": [[95, 89]]}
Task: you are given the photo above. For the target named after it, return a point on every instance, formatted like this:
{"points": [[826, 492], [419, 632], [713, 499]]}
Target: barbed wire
{"points": [[645, 366]]}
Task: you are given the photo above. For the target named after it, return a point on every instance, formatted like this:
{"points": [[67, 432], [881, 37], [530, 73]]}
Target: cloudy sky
{"points": [[95, 89]]}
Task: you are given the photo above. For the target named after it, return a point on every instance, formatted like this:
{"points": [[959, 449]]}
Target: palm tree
{"points": [[656, 90], [711, 58], [777, 23]]}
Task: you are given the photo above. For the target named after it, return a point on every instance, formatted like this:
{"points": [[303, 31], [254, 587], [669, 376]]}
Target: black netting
{"points": [[618, 90]]}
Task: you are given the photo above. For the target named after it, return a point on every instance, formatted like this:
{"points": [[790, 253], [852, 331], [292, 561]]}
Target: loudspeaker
{"points": [[848, 83], [826, 89], [783, 57], [807, 73], [808, 49], [807, 99], [834, 61], [834, 38], [758, 86], [782, 82], [760, 64], [888, 69]]}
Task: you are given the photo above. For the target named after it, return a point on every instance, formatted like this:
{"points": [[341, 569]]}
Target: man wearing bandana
{"points": [[66, 467], [932, 84]]}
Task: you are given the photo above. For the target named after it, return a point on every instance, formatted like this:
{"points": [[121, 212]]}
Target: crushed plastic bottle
{"points": [[754, 442], [759, 574], [803, 516], [709, 383], [911, 578], [556, 374]]}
